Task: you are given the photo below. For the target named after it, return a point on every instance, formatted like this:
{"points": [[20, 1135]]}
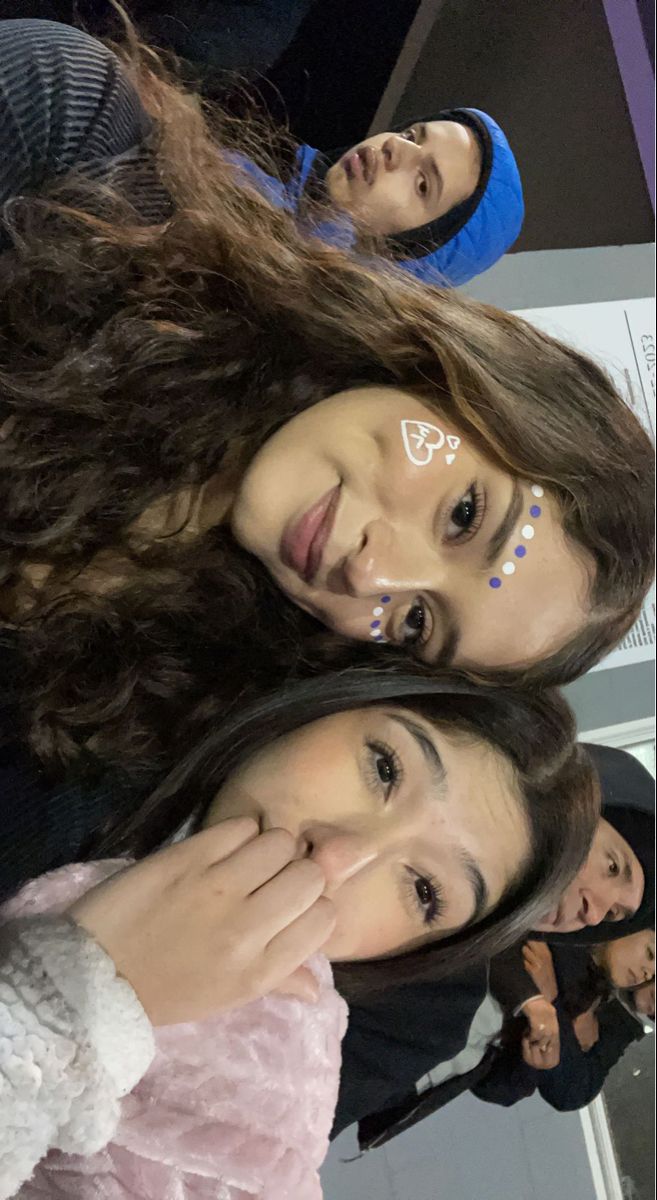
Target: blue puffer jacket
{"points": [[456, 247]]}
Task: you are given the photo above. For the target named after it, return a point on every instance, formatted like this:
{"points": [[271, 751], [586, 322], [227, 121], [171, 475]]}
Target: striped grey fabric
{"points": [[66, 103]]}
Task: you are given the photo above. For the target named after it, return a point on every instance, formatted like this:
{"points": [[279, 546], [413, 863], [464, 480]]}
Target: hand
{"points": [[587, 1030], [538, 963], [541, 1045], [212, 922]]}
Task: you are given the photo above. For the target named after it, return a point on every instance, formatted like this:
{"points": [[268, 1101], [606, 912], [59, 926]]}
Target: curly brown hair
{"points": [[137, 359]]}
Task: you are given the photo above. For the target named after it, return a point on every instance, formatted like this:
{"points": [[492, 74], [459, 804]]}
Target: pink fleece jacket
{"points": [[232, 1108]]}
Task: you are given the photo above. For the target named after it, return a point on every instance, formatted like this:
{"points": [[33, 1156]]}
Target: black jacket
{"points": [[579, 1076], [392, 1043], [502, 1077]]}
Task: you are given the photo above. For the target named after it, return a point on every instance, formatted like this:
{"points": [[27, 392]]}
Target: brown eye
{"points": [[414, 624], [424, 892], [409, 135], [467, 516]]}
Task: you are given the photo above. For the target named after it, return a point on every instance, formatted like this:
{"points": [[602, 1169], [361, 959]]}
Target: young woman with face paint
{"points": [[205, 416], [440, 818]]}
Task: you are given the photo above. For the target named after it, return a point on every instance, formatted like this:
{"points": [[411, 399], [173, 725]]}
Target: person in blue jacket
{"points": [[443, 191]]}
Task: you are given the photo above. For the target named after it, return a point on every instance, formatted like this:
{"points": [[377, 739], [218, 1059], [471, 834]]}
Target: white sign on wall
{"points": [[621, 335]]}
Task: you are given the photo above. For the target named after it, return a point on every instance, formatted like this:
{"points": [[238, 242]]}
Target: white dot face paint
{"points": [[421, 441], [520, 551]]}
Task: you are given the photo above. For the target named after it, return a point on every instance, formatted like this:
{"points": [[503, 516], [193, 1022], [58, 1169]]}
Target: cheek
{"points": [[371, 921]]}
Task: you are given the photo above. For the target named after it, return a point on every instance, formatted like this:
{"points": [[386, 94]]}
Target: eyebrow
{"points": [[429, 752], [479, 887], [628, 878], [500, 535]]}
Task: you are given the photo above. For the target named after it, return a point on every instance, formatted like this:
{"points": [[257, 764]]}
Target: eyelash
{"points": [[431, 912], [379, 750]]}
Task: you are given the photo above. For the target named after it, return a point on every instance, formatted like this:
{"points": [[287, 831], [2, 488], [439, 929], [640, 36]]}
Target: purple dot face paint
{"points": [[375, 626], [527, 532]]}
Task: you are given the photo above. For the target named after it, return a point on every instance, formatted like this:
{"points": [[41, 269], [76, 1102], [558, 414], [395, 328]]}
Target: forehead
{"points": [[483, 797]]}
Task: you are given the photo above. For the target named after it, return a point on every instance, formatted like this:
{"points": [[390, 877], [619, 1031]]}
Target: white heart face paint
{"points": [[421, 440]]}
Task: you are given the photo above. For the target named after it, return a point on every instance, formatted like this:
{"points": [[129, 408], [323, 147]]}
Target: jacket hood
{"points": [[472, 236]]}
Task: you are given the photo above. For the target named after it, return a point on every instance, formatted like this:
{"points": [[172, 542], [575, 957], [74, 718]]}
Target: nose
{"points": [[387, 559], [397, 151], [593, 910], [341, 854]]}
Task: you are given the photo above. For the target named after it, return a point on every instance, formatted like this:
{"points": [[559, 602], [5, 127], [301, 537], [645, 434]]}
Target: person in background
{"points": [[592, 993], [612, 896], [440, 195], [643, 1000], [598, 1001], [443, 192]]}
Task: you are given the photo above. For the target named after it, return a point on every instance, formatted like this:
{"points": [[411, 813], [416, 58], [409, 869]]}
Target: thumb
{"points": [[302, 984]]}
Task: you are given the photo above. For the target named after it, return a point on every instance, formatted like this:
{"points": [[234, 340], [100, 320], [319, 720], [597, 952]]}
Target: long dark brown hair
{"points": [[139, 358], [553, 775]]}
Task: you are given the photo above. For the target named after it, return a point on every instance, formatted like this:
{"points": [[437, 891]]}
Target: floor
{"points": [[469, 1151]]}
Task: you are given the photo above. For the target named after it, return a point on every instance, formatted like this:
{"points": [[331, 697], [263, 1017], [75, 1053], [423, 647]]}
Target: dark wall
{"points": [[546, 70]]}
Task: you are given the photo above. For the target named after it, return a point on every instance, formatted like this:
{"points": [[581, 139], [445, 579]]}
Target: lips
{"points": [[361, 164], [304, 541]]}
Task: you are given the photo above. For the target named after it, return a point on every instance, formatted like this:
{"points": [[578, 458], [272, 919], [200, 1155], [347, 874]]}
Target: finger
{"points": [[281, 900], [261, 859], [532, 1056], [299, 940], [301, 984], [211, 846]]}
